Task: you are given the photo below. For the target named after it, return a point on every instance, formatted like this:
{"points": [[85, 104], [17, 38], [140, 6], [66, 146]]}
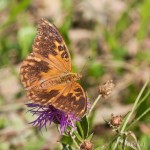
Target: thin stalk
{"points": [[73, 138], [74, 141], [95, 102], [143, 99], [130, 114], [137, 119], [128, 144]]}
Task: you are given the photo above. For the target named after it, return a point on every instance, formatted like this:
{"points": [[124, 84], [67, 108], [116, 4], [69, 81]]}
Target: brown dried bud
{"points": [[86, 145], [106, 89], [116, 121]]}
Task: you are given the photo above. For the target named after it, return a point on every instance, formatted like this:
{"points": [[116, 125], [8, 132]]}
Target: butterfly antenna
{"points": [[84, 66]]}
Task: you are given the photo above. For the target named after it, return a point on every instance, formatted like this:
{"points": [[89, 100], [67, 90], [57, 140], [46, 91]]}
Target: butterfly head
{"points": [[78, 76]]}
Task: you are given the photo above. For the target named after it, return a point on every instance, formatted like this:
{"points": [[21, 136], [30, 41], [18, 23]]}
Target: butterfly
{"points": [[47, 76]]}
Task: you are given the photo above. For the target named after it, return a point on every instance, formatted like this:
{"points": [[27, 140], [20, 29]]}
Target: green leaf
{"points": [[98, 148], [83, 127], [144, 142], [144, 22], [90, 137], [143, 56], [34, 144], [80, 130], [78, 136], [95, 69], [111, 39], [66, 147], [25, 39], [91, 120], [119, 53], [17, 7], [66, 140]]}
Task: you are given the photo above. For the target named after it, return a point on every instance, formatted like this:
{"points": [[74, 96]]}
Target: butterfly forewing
{"points": [[50, 45], [50, 56], [35, 70]]}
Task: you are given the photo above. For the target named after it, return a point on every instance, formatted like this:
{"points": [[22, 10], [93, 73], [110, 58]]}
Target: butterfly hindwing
{"points": [[45, 96], [72, 100], [69, 98]]}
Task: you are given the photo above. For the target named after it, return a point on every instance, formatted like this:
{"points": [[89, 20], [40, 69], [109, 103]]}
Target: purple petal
{"points": [[49, 114]]}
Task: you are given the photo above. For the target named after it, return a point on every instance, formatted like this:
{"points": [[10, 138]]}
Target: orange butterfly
{"points": [[46, 73]]}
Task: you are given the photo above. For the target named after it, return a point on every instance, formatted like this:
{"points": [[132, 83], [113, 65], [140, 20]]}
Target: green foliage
{"points": [[3, 4], [2, 122], [125, 20], [78, 136], [119, 53], [111, 39], [83, 127], [144, 142], [144, 16], [15, 9], [34, 144], [95, 69], [25, 39], [66, 140], [143, 56], [67, 7], [66, 147], [8, 44], [129, 115]]}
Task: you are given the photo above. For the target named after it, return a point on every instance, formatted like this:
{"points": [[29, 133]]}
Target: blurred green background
{"points": [[114, 34]]}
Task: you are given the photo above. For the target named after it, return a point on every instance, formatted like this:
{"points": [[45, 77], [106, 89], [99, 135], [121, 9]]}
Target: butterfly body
{"points": [[61, 79], [46, 73], [70, 77]]}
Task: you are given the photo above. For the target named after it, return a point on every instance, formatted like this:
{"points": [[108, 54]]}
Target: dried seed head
{"points": [[106, 89], [116, 121], [86, 145]]}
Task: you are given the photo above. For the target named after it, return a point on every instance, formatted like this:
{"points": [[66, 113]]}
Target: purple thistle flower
{"points": [[88, 103], [49, 114]]}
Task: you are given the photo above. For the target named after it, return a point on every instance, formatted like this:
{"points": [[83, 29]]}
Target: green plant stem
{"points": [[130, 114], [128, 144], [74, 141], [145, 112], [143, 99], [95, 102]]}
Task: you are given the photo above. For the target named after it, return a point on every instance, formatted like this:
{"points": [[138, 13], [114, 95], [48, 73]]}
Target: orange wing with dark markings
{"points": [[50, 59], [50, 56], [72, 100], [35, 70], [50, 45], [69, 98]]}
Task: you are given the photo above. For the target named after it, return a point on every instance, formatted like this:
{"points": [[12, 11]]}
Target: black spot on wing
{"points": [[78, 90], [64, 55]]}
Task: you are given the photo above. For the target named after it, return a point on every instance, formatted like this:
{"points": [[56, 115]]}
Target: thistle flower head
{"points": [[116, 121], [48, 114], [86, 145]]}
